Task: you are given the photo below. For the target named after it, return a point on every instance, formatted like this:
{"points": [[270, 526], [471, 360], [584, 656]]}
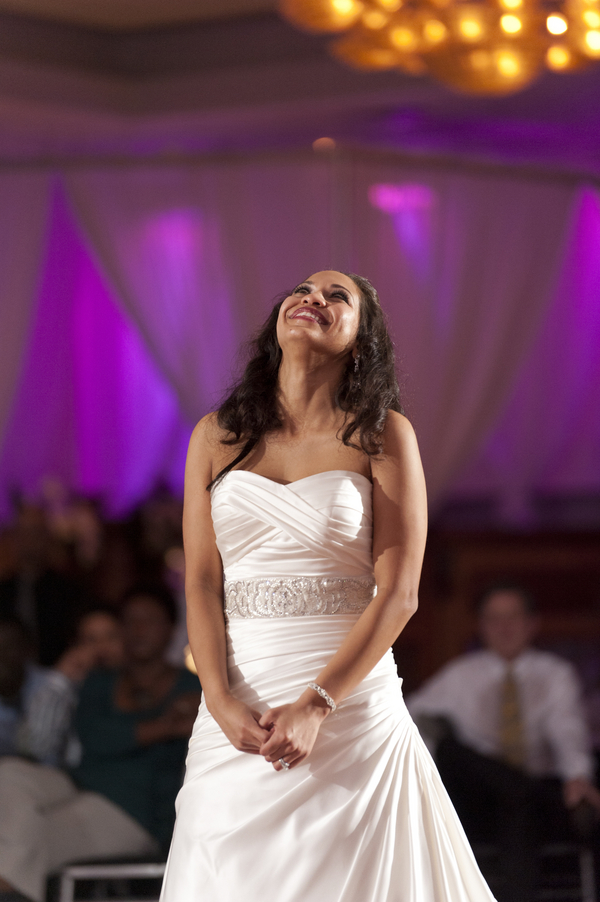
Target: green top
{"points": [[143, 780]]}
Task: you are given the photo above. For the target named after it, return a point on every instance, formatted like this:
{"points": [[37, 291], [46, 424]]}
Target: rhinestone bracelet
{"points": [[324, 695]]}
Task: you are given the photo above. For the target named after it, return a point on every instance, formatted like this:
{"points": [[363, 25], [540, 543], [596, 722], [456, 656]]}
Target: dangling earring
{"points": [[356, 373]]}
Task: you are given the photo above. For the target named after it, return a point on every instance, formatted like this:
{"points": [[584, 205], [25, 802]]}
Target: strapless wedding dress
{"points": [[365, 818]]}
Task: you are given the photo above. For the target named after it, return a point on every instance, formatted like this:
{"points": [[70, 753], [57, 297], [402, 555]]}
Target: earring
{"points": [[356, 359]]}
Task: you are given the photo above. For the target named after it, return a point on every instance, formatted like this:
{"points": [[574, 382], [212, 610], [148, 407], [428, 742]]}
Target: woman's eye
{"points": [[342, 295], [301, 289]]}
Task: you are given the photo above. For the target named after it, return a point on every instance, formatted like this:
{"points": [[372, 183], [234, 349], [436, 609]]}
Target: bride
{"points": [[306, 779]]}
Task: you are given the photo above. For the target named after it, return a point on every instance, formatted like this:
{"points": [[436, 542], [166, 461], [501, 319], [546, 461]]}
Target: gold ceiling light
{"points": [[475, 46]]}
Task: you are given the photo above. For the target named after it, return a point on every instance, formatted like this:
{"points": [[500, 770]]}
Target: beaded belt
{"points": [[297, 596]]}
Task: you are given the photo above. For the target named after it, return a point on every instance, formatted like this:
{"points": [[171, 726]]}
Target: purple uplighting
{"points": [[399, 198], [92, 409], [152, 277]]}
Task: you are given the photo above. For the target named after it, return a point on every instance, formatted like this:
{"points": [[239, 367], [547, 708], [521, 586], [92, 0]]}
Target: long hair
{"points": [[365, 393]]}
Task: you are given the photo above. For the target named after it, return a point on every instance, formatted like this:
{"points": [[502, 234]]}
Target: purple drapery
{"points": [[92, 409], [546, 440], [154, 274]]}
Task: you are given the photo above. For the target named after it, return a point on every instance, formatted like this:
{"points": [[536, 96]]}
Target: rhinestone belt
{"points": [[297, 596]]}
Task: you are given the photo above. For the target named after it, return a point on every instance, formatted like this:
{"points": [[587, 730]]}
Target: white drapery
{"points": [[196, 253], [547, 437], [23, 215], [91, 409], [468, 267], [465, 265]]}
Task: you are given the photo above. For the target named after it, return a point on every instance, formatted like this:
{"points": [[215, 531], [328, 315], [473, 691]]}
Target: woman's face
{"points": [[147, 629], [102, 634], [323, 311]]}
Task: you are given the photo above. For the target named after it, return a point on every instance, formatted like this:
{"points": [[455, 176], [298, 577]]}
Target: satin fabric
{"points": [[365, 818], [318, 526]]}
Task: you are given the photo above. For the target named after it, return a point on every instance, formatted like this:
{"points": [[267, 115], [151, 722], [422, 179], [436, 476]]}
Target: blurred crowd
{"points": [[60, 557], [96, 706], [512, 739]]}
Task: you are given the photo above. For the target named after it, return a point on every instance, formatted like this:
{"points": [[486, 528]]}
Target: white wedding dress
{"points": [[365, 818]]}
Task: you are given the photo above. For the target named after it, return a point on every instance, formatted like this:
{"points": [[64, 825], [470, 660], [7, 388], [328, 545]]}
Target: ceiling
{"points": [[117, 15], [100, 79]]}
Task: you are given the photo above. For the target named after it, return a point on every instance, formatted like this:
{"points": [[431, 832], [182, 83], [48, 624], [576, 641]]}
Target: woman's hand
{"points": [[240, 724], [292, 732]]}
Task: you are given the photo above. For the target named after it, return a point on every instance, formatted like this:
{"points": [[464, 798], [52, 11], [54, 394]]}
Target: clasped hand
{"points": [[288, 731]]}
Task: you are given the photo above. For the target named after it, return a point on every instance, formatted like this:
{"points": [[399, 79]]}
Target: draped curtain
{"points": [[466, 266], [195, 254], [473, 271], [91, 408], [23, 216], [546, 439]]}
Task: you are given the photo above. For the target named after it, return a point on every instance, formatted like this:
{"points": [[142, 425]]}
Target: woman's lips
{"points": [[314, 315]]}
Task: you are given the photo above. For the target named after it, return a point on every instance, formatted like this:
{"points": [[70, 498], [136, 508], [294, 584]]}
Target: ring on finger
{"points": [[284, 764]]}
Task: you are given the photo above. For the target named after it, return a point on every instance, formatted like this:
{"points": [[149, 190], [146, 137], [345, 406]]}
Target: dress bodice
{"points": [[319, 526]]}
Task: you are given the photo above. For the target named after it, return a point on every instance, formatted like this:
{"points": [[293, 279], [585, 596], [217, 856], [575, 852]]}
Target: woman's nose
{"points": [[314, 298]]}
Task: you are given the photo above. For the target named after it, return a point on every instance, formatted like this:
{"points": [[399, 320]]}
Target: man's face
{"points": [[505, 625]]}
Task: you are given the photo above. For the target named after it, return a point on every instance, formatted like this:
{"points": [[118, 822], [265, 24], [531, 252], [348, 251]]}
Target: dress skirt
{"points": [[364, 819]]}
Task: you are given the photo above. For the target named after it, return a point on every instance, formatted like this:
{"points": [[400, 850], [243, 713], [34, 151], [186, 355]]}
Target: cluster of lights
{"points": [[478, 46]]}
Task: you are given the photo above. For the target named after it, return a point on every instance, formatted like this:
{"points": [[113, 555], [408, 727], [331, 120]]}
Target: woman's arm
{"points": [[399, 532], [204, 595]]}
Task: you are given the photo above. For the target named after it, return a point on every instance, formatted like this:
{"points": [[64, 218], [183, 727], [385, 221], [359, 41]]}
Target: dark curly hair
{"points": [[366, 394]]}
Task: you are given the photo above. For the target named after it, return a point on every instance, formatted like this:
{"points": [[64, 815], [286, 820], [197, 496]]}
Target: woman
{"points": [[306, 779], [133, 724]]}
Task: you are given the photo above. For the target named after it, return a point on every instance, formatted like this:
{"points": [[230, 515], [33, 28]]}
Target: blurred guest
{"points": [[174, 576], [75, 522], [44, 599], [140, 716], [133, 725], [47, 734], [118, 568], [513, 746], [20, 680]]}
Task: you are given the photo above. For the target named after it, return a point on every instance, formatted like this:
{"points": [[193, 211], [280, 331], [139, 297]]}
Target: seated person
{"points": [[46, 734], [133, 725], [20, 679], [44, 599], [513, 746]]}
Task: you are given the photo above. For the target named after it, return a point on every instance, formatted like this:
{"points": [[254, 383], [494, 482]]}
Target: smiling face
{"points": [[323, 311], [506, 626]]}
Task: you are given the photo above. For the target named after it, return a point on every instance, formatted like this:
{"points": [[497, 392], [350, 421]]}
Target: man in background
{"points": [[511, 740]]}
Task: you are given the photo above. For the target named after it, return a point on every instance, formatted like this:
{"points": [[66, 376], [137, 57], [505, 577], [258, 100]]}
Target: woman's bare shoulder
{"points": [[208, 435], [211, 443], [205, 440], [398, 432], [207, 430], [399, 445]]}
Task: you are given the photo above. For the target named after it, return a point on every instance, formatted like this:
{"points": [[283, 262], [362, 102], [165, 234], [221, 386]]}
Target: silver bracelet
{"points": [[324, 695]]}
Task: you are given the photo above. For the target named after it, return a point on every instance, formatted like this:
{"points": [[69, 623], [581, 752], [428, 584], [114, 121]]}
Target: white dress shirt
{"points": [[467, 692]]}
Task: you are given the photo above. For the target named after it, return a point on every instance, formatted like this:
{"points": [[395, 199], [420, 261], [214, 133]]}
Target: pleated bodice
{"points": [[319, 526]]}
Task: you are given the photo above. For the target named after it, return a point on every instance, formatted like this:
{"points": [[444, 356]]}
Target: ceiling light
{"points": [[474, 46]]}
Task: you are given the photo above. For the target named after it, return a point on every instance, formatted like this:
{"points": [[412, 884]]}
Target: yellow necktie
{"points": [[512, 745]]}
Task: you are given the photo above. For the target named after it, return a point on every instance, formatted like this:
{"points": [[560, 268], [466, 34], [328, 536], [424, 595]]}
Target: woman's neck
{"points": [[307, 391]]}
